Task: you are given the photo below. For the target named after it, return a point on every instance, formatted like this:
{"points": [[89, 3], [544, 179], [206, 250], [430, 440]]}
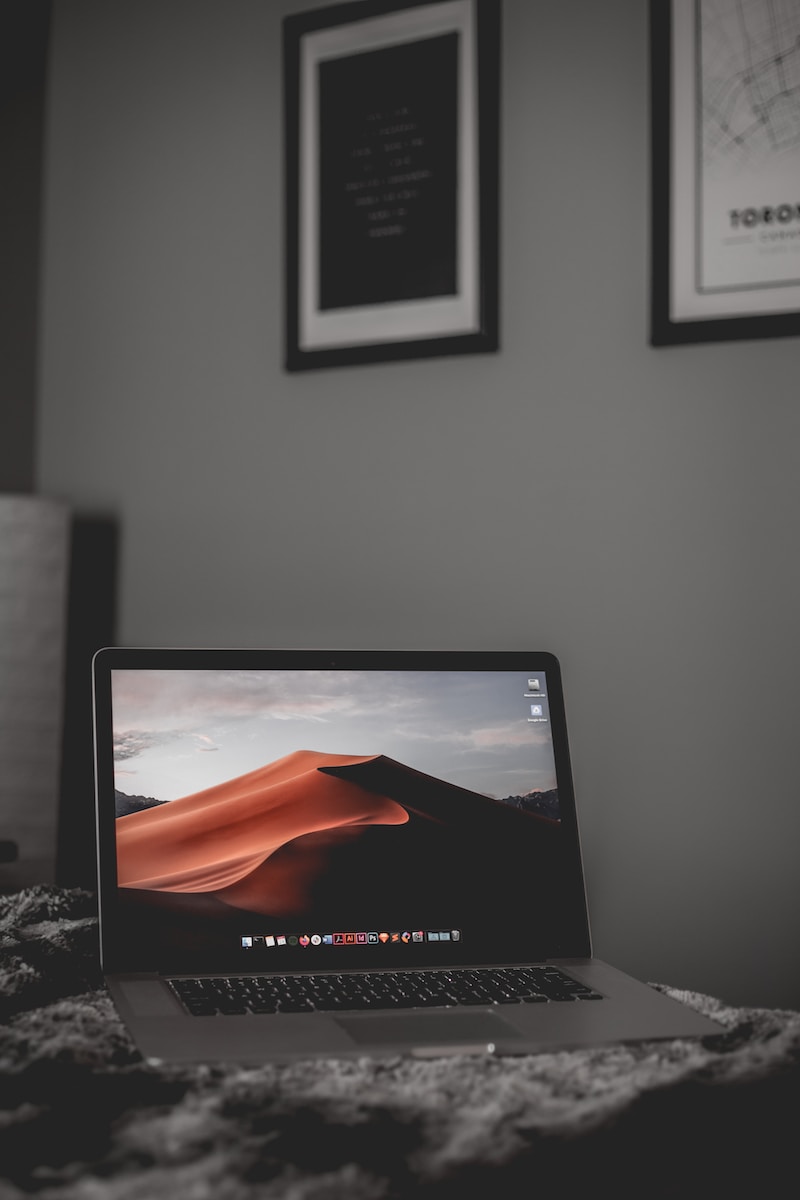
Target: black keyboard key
{"points": [[331, 1003], [295, 1005], [200, 1009], [263, 1006]]}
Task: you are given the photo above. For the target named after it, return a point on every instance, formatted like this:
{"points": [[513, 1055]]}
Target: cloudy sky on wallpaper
{"points": [[177, 732]]}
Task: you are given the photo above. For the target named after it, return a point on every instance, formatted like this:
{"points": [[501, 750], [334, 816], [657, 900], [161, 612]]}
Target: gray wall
{"points": [[632, 509]]}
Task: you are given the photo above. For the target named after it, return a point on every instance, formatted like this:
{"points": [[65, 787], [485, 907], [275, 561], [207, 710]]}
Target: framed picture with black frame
{"points": [[725, 178], [391, 126]]}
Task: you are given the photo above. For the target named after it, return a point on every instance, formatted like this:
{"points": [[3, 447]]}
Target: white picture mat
{"points": [[410, 319], [717, 270]]}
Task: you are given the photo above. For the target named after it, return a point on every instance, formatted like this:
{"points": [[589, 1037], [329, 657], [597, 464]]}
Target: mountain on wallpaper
{"points": [[544, 804], [124, 804]]}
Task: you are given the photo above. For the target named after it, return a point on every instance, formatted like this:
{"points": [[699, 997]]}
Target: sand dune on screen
{"points": [[212, 840]]}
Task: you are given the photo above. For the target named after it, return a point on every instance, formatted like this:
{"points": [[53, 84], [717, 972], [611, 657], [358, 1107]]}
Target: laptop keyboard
{"points": [[240, 995]]}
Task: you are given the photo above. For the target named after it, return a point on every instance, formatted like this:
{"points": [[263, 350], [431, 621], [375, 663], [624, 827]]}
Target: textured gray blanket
{"points": [[83, 1117]]}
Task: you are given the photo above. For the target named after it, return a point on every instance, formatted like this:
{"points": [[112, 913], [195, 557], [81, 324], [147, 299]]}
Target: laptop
{"points": [[307, 853]]}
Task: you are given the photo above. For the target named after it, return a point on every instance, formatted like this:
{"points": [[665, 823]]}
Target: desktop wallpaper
{"points": [[323, 799]]}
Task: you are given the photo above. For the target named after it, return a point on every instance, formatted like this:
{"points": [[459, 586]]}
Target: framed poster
{"points": [[725, 220], [391, 157]]}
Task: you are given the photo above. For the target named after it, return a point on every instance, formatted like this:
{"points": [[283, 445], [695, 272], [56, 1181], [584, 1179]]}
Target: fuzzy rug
{"points": [[83, 1117]]}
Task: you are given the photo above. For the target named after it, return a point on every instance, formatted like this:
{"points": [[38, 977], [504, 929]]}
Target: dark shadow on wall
{"points": [[91, 621], [24, 36]]}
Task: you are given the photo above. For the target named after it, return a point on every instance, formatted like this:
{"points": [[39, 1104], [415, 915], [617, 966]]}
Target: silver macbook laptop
{"points": [[324, 853]]}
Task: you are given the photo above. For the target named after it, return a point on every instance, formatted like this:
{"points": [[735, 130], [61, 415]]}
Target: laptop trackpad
{"points": [[470, 1030]]}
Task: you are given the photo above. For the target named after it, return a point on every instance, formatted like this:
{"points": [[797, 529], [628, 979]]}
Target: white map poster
{"points": [[735, 158]]}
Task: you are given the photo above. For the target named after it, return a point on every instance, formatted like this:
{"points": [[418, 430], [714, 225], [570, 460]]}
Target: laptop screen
{"points": [[387, 810]]}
